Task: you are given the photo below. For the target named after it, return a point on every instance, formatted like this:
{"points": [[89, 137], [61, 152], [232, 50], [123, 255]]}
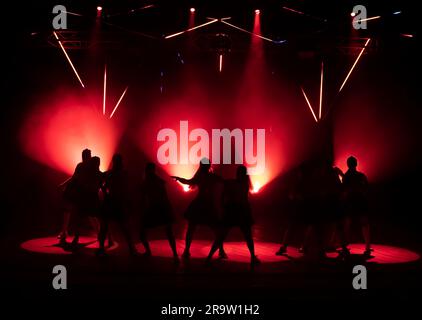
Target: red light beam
{"points": [[354, 64], [104, 94], [309, 104], [68, 59], [118, 102], [190, 29], [320, 90]]}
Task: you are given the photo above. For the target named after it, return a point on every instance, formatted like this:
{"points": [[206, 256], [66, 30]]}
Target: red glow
{"points": [[49, 245], [257, 11], [99, 8], [237, 251], [192, 10], [374, 139], [383, 254], [56, 134]]}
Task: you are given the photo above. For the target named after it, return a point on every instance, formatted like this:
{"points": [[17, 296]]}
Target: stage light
{"points": [[256, 187], [68, 59], [397, 12], [118, 102], [309, 104], [257, 11], [354, 64], [99, 8], [192, 10], [352, 14], [406, 35], [104, 94]]}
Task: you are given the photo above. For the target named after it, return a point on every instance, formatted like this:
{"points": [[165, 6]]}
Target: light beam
{"points": [[104, 94], [354, 64], [309, 104], [221, 62], [118, 102], [68, 59], [320, 90], [190, 29]]}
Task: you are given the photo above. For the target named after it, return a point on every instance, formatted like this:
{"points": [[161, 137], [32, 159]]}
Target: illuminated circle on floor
{"points": [[383, 254], [236, 251], [51, 245]]}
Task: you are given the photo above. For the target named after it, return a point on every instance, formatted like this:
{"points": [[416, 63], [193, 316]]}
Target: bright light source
{"points": [[256, 187], [99, 8], [192, 10], [397, 12], [257, 11], [353, 14], [320, 91]]}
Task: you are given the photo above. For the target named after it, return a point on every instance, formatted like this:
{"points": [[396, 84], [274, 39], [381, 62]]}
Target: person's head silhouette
{"points": [[352, 163], [117, 162], [86, 155], [204, 165], [95, 161], [241, 172]]}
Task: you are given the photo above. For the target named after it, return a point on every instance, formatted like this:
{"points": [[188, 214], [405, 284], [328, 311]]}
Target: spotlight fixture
{"points": [[99, 8], [257, 11], [352, 14], [192, 10]]}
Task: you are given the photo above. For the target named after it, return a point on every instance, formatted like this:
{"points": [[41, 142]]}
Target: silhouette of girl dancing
{"points": [[236, 212], [156, 209], [88, 183], [116, 203], [205, 208]]}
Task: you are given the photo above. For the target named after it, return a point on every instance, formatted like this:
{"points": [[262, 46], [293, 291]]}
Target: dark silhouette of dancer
{"points": [[205, 209], [236, 212], [70, 193], [322, 204], [355, 203], [116, 203], [295, 207], [156, 209], [88, 183]]}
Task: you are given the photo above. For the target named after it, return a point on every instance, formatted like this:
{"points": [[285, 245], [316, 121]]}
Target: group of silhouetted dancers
{"points": [[319, 196]]}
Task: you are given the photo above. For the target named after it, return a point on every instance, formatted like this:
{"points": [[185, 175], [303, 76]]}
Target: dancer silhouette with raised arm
{"points": [[156, 209], [205, 209]]}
